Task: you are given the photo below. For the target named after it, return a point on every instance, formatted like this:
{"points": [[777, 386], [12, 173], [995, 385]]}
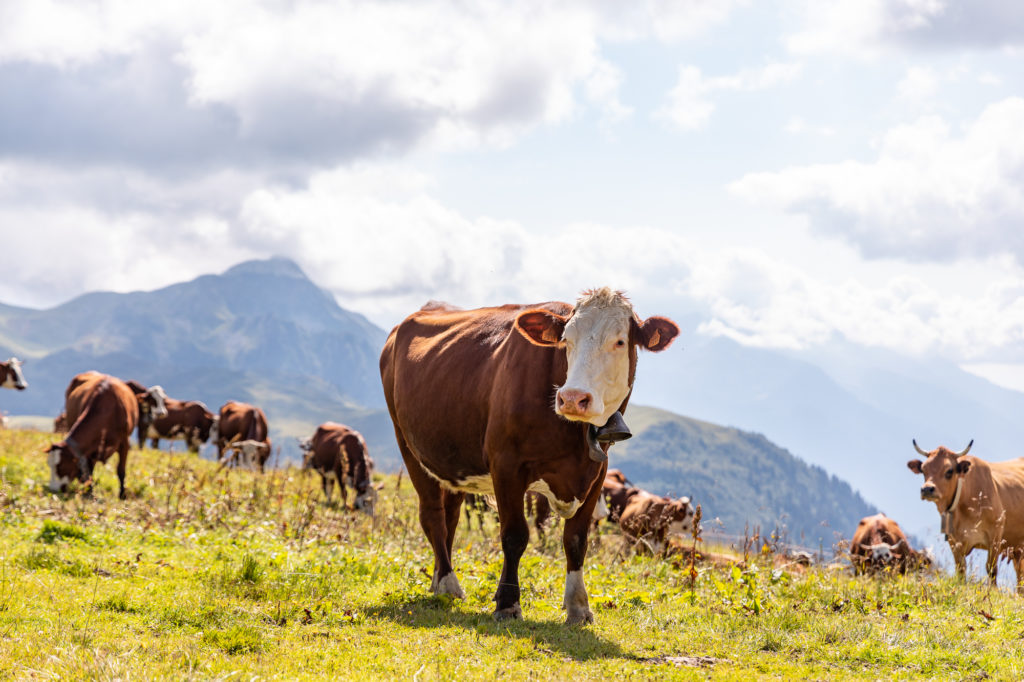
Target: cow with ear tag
{"points": [[980, 503], [499, 401]]}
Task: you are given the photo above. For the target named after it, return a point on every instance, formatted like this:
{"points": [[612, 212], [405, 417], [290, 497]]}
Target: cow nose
{"points": [[927, 491], [573, 402]]}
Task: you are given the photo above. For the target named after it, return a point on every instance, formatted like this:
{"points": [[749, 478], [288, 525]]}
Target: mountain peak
{"points": [[277, 265]]}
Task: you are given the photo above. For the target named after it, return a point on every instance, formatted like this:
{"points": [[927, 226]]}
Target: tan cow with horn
{"points": [[981, 504]]}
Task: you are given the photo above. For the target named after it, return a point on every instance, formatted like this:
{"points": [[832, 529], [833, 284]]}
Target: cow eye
{"points": [[620, 343], [949, 473]]}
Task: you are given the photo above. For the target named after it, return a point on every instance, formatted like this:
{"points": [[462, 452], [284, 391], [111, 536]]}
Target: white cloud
{"points": [[321, 81], [871, 27], [689, 105], [918, 85], [380, 240], [930, 195]]}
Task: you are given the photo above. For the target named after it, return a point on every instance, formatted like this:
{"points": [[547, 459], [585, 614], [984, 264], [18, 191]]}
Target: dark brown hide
{"points": [[105, 412], [241, 421], [338, 453], [471, 395]]}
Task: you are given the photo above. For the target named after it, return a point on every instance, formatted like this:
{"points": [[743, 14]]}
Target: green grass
{"points": [[205, 574]]}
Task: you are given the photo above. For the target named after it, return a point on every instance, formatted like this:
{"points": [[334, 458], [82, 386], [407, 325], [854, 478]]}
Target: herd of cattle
{"points": [[512, 404]]}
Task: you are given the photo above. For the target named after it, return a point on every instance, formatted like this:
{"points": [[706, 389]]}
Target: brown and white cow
{"points": [[11, 375], [981, 505], [242, 422], [616, 492], [651, 519], [105, 411], [186, 420], [502, 400], [879, 544], [338, 453], [152, 405]]}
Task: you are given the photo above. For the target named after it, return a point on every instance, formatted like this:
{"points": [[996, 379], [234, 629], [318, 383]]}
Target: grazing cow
{"points": [[246, 453], [188, 421], [651, 519], [616, 492], [981, 505], [879, 543], [338, 453], [502, 400], [240, 422], [11, 375], [105, 411]]}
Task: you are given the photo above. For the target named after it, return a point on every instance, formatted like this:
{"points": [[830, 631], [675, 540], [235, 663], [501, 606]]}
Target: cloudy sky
{"points": [[796, 172]]}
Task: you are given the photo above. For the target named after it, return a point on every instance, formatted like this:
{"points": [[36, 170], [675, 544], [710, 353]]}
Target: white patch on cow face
{"points": [[597, 349], [57, 483], [601, 510], [14, 377], [160, 407], [566, 510], [881, 552]]}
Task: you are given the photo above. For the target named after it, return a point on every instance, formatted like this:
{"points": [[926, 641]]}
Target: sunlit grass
{"points": [[212, 574]]}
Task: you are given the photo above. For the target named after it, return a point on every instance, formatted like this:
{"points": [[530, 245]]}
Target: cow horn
{"points": [[965, 450], [918, 448]]}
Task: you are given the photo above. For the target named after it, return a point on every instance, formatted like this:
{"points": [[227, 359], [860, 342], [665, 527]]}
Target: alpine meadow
{"points": [[210, 573]]}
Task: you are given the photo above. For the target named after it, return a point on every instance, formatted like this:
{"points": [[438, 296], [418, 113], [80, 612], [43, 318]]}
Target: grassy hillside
{"points": [[742, 479], [205, 574]]}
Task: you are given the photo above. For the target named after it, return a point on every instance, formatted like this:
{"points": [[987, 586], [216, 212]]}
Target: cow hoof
{"points": [[450, 585], [514, 612], [579, 617]]}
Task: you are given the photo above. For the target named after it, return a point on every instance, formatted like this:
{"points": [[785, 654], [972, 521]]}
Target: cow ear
{"points": [[914, 465], [655, 333], [541, 327], [963, 466]]}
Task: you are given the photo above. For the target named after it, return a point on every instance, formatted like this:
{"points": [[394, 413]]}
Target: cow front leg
{"points": [[328, 486], [959, 558], [122, 463], [339, 474], [574, 541], [515, 535]]}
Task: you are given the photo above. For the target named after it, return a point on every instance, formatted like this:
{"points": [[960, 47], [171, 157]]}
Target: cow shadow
{"points": [[548, 637]]}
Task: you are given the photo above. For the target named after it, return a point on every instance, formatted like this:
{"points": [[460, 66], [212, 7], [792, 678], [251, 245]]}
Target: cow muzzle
{"points": [[574, 404], [928, 493]]}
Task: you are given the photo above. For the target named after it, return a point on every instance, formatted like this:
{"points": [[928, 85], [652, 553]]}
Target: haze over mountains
{"points": [[263, 332]]}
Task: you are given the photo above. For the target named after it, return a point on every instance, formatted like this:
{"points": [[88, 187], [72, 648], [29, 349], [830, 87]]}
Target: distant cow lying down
{"points": [[650, 519], [879, 544], [250, 454]]}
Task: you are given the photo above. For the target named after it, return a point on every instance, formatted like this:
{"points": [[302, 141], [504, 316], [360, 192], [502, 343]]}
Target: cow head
{"points": [[154, 399], [11, 375], [215, 429], [66, 464], [306, 448], [600, 338], [680, 516], [881, 554], [366, 491], [941, 469]]}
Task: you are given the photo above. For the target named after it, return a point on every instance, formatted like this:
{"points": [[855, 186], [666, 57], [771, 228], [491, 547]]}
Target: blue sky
{"points": [[797, 172]]}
